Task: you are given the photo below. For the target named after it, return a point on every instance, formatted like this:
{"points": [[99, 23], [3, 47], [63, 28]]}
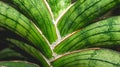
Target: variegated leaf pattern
{"points": [[60, 33], [103, 33], [82, 13], [89, 58], [15, 21], [36, 10]]}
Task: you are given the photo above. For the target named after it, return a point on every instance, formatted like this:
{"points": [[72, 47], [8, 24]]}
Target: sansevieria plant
{"points": [[58, 33]]}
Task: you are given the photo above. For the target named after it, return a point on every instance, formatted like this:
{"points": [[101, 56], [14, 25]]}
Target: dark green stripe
{"points": [[73, 42], [92, 14], [16, 26], [31, 32], [25, 11], [62, 28], [66, 19], [81, 34], [72, 23], [28, 10], [16, 31], [69, 27], [70, 63], [38, 18], [77, 43], [94, 56], [102, 42], [66, 58]]}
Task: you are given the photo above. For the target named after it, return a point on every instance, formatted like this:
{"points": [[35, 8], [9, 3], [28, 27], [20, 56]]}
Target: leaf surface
{"points": [[37, 11], [58, 6], [82, 13], [16, 22], [89, 58], [100, 34], [31, 50]]}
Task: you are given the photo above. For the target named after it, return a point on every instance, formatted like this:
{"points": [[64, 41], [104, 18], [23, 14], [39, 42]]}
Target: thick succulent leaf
{"points": [[89, 58], [8, 53], [31, 50], [58, 6], [37, 11], [103, 34], [16, 22], [17, 64], [82, 13]]}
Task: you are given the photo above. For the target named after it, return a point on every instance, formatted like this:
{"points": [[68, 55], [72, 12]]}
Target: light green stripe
{"points": [[82, 13], [58, 6], [100, 32], [37, 11], [16, 22], [89, 58]]}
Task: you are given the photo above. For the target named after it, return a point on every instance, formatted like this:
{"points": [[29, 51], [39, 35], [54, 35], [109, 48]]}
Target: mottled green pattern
{"points": [[82, 13], [37, 11], [41, 28], [17, 64], [15, 21], [30, 50], [58, 6], [89, 58], [104, 33]]}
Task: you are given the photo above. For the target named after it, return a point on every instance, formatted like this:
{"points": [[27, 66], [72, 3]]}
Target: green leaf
{"points": [[17, 64], [82, 13], [31, 50], [37, 11], [101, 34], [8, 53], [58, 6], [89, 58], [16, 22]]}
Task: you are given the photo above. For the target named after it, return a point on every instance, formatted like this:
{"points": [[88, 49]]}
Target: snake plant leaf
{"points": [[16, 22], [58, 6], [37, 11], [17, 64], [31, 50], [8, 53], [82, 13], [89, 58], [104, 33]]}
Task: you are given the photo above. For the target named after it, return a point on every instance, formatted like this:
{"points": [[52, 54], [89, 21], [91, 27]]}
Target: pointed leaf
{"points": [[89, 58], [31, 50], [16, 22], [103, 34], [37, 11], [82, 13], [17, 64]]}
